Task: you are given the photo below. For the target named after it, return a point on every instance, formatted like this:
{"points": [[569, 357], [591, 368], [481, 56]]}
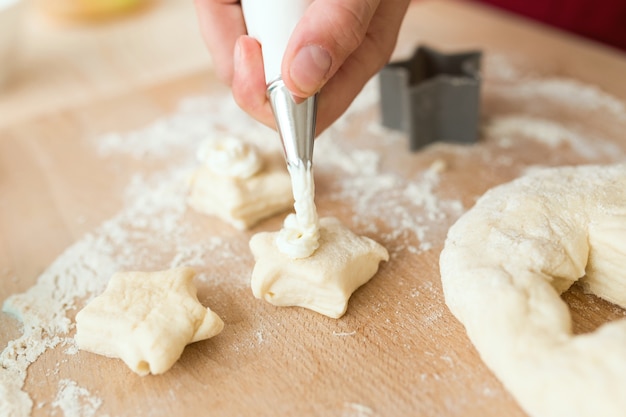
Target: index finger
{"points": [[221, 24]]}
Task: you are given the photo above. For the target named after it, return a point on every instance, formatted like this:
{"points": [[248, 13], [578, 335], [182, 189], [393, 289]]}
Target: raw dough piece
{"points": [[504, 266], [146, 319], [322, 282], [239, 184]]}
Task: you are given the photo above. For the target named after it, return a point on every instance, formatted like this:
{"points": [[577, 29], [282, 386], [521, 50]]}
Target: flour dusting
{"points": [[568, 92], [357, 410], [75, 401], [551, 134]]}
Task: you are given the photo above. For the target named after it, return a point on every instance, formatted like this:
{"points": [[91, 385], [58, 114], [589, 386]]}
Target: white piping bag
{"points": [[271, 22]]}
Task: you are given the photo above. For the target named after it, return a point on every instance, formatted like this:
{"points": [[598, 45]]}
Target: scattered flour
{"points": [[410, 207], [567, 92], [344, 334], [152, 231], [357, 410], [75, 401], [551, 134]]}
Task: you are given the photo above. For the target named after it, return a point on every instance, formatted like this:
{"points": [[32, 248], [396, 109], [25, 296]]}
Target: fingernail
{"points": [[309, 68]]}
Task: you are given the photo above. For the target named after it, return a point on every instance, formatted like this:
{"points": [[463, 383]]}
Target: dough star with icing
{"points": [[239, 183], [503, 268], [146, 319], [322, 282]]}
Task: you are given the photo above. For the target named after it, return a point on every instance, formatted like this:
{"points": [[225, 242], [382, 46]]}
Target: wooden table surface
{"points": [[398, 350]]}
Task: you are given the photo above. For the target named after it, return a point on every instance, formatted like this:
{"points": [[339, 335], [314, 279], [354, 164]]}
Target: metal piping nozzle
{"points": [[295, 123]]}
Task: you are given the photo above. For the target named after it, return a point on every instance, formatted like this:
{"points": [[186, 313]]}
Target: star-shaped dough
{"points": [[146, 319], [324, 281], [243, 202]]}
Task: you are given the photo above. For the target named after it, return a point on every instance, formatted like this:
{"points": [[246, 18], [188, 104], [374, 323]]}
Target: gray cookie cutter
{"points": [[432, 96]]}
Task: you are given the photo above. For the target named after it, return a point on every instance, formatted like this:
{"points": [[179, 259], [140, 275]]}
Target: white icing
{"points": [[299, 237], [230, 157]]}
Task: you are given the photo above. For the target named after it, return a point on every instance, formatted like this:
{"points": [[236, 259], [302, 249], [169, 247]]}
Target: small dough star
{"points": [[146, 319], [324, 281]]}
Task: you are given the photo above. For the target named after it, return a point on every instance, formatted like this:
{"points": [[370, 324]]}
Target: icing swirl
{"points": [[230, 157]]}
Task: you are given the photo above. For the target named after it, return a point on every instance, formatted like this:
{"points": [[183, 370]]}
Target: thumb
{"points": [[324, 38]]}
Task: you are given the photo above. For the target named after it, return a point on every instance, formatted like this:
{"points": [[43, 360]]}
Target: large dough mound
{"points": [[504, 266], [146, 319], [322, 282]]}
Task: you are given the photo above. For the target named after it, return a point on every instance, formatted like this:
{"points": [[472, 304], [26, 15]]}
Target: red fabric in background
{"points": [[600, 20]]}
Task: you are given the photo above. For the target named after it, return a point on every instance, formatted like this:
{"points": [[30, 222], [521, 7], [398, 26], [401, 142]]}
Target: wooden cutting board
{"points": [[398, 350]]}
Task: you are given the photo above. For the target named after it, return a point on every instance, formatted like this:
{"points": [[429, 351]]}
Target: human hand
{"points": [[337, 46]]}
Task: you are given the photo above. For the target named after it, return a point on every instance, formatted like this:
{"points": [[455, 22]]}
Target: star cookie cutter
{"points": [[432, 96]]}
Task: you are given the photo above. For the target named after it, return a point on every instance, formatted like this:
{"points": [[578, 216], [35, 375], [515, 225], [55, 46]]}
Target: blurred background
{"points": [[59, 53], [64, 52]]}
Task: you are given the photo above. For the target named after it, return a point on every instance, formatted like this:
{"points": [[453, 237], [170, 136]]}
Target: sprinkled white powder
{"points": [[411, 206], [500, 67], [357, 410], [75, 401], [197, 119], [549, 133], [568, 92], [344, 334]]}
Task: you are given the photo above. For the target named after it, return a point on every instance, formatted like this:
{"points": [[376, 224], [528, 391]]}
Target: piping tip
{"points": [[295, 123]]}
